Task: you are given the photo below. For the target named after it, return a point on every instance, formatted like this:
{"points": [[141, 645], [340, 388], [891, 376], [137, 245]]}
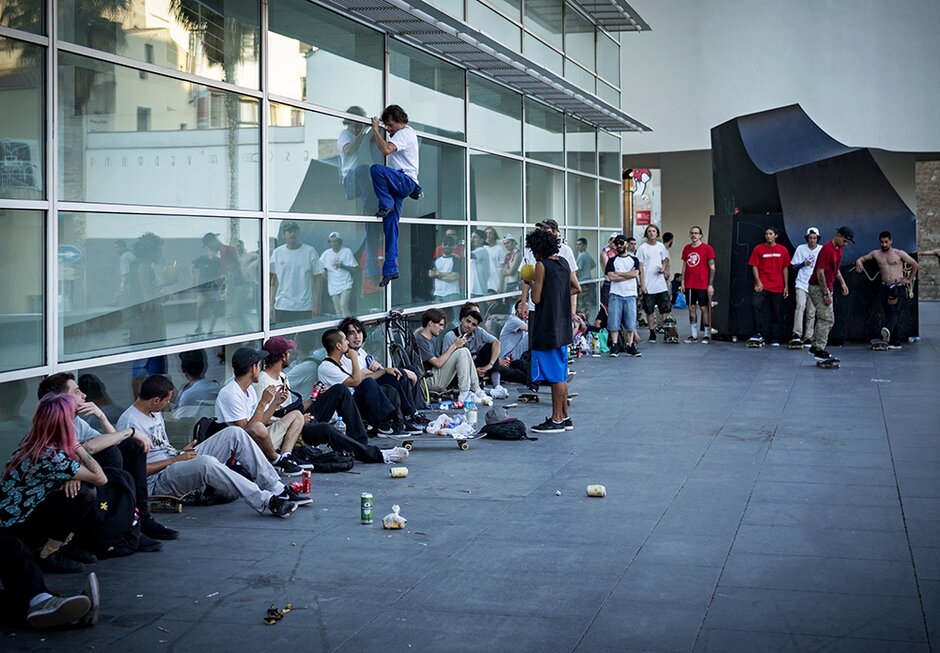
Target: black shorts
{"points": [[695, 296], [657, 300]]}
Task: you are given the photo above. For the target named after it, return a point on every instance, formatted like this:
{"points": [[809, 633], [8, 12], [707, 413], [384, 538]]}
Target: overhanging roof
{"points": [[426, 26], [613, 15]]}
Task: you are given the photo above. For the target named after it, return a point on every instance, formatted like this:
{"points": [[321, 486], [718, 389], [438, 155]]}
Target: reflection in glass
{"points": [[544, 133], [311, 48], [608, 59], [428, 89], [495, 188], [443, 179], [611, 198], [21, 302], [17, 405], [493, 24], [218, 40], [582, 200], [135, 281], [584, 244], [200, 147], [581, 145], [323, 270], [495, 116], [579, 76], [545, 194], [21, 119], [495, 254], [25, 15], [608, 155], [544, 18], [432, 264], [579, 38], [542, 54], [588, 301]]}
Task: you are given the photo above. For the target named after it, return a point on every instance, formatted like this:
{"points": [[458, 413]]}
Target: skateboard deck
{"points": [[168, 502], [755, 344], [829, 365], [670, 331], [877, 344], [534, 397], [407, 440], [795, 344]]}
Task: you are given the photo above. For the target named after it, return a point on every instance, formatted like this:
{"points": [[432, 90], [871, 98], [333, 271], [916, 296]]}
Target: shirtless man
{"points": [[894, 285]]}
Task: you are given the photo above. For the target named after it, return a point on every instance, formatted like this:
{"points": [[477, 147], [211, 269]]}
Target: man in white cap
{"points": [[804, 261], [338, 261]]}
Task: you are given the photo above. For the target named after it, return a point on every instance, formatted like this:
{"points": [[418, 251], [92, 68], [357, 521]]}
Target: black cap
{"points": [[551, 223], [209, 237], [247, 356], [847, 233]]}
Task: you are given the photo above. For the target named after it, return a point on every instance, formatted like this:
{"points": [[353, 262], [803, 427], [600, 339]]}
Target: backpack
{"points": [[118, 531], [512, 429], [330, 462], [206, 427]]}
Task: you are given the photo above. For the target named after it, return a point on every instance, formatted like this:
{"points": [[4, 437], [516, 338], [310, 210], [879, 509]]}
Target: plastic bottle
{"points": [[340, 425], [470, 410]]}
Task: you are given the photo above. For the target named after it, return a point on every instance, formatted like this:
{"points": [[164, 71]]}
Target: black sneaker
{"points": [[652, 337], [58, 611], [412, 427], [416, 193], [148, 545], [808, 342], [78, 554], [690, 339], [300, 499], [282, 508], [57, 563], [812, 350], [287, 467], [418, 418], [614, 350], [569, 425], [381, 213], [822, 355], [387, 279], [549, 426], [158, 531], [633, 351], [385, 429]]}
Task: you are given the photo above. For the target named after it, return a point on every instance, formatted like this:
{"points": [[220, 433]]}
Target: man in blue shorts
{"points": [[550, 325]]}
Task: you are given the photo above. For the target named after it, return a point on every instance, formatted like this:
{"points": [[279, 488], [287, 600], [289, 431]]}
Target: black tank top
{"points": [[550, 324]]}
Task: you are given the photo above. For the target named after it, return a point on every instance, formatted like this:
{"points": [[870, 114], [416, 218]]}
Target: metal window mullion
{"points": [[25, 373], [386, 100], [265, 119], [27, 37], [174, 211], [51, 239]]}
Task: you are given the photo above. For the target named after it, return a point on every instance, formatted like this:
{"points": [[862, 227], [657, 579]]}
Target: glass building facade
{"points": [[154, 151]]}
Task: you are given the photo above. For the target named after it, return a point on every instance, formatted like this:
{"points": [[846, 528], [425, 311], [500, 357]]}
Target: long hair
{"points": [[53, 427]]}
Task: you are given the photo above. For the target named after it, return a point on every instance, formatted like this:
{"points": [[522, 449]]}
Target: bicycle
{"points": [[403, 349]]}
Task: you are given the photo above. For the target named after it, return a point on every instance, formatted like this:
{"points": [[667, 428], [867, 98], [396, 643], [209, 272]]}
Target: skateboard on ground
{"points": [[877, 344], [831, 364], [755, 343], [168, 502], [795, 343], [534, 397], [407, 440], [670, 330]]}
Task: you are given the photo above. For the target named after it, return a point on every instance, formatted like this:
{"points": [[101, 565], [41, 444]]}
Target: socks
{"points": [[695, 330]]}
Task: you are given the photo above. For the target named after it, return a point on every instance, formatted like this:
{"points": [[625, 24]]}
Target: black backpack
{"points": [[118, 532], [512, 429], [331, 462], [206, 427]]}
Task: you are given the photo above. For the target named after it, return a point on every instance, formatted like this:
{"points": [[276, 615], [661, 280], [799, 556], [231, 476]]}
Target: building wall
{"points": [[928, 227]]}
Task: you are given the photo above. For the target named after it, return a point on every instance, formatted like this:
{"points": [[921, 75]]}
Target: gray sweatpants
{"points": [[208, 470], [460, 364]]}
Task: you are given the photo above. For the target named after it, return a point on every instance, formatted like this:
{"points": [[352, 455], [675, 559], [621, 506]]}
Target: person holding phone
{"points": [[453, 361]]}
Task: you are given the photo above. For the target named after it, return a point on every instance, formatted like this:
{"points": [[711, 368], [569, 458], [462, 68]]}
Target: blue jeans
{"points": [[621, 312], [391, 188]]}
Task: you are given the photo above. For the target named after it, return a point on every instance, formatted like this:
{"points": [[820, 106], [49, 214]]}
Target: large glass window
{"points": [[430, 91], [608, 59], [319, 163], [26, 15], [545, 193], [588, 301], [510, 8], [608, 155], [432, 263], [544, 133], [495, 188], [493, 24], [21, 302], [199, 147], [443, 175], [494, 255], [136, 281], [581, 145], [322, 270], [582, 200], [542, 54], [579, 76], [608, 93], [218, 40], [495, 116], [544, 18], [320, 57], [452, 7], [584, 244], [610, 204], [17, 405], [579, 37], [21, 119]]}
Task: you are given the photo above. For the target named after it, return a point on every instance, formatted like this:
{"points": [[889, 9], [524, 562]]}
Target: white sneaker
{"points": [[499, 392], [464, 397], [394, 455], [483, 399]]}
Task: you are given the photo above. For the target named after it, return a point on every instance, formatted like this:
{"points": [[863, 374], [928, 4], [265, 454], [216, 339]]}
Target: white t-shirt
{"points": [[295, 269], [652, 257], [479, 271], [155, 428], [85, 431], [623, 288], [405, 158], [234, 404], [338, 279], [563, 252], [330, 374], [363, 155], [443, 288], [802, 255], [496, 254], [264, 380]]}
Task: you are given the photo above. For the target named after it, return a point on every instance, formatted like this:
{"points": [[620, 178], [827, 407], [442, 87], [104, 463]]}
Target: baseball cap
{"points": [[496, 415], [209, 237], [334, 235], [551, 223], [277, 345], [812, 231], [290, 225], [846, 233], [620, 238], [247, 356]]}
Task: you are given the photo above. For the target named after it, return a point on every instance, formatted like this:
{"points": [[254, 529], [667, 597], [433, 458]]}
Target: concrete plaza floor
{"points": [[755, 503]]}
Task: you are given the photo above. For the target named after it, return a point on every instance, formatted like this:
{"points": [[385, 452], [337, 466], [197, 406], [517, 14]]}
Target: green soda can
{"points": [[365, 508]]}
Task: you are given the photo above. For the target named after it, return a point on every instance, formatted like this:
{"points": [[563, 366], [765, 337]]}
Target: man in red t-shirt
{"points": [[825, 274], [770, 265], [698, 281]]}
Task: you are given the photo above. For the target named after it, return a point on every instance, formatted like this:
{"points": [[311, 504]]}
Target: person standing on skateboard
{"points": [[821, 284]]}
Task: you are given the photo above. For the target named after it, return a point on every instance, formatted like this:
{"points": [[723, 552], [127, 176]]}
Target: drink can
{"points": [[365, 508], [306, 482]]}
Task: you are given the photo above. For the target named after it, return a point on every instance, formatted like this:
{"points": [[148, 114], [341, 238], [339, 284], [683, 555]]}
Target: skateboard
{"points": [[831, 364], [670, 331], [407, 440], [795, 343], [534, 397], [877, 344], [755, 343], [168, 502]]}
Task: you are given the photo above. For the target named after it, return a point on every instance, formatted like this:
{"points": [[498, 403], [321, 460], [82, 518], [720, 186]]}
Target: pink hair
{"points": [[53, 428]]}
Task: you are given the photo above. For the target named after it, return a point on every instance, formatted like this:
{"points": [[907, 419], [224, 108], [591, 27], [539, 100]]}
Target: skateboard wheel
{"points": [[463, 446], [407, 445], [154, 507], [179, 507]]}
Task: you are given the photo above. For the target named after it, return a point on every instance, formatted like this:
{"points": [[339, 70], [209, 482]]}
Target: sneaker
{"points": [[416, 193], [706, 340], [394, 455], [652, 337], [633, 351], [295, 497], [148, 545], [287, 467], [549, 426], [813, 351], [614, 350], [386, 429], [822, 355], [387, 279], [690, 339], [281, 507], [418, 418], [774, 343], [413, 428], [894, 346], [94, 597], [152, 528], [78, 554], [885, 334], [807, 343], [756, 338], [569, 425], [381, 213], [302, 463], [499, 392], [58, 611], [57, 563]]}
